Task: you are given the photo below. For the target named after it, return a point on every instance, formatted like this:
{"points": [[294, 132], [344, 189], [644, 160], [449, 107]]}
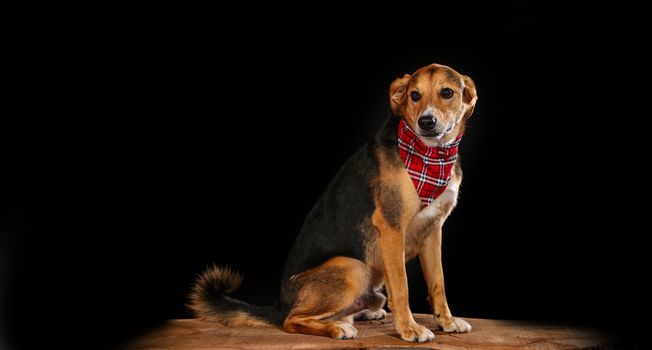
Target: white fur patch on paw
{"points": [[426, 335], [370, 315], [417, 333], [346, 331], [457, 325]]}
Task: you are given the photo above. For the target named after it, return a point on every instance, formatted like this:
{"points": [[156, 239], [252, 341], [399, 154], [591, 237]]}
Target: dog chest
{"points": [[430, 218]]}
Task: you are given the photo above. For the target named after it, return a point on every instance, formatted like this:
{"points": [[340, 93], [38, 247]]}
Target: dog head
{"points": [[435, 102]]}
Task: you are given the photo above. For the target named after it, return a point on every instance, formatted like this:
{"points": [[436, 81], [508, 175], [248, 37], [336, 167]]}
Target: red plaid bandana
{"points": [[429, 167]]}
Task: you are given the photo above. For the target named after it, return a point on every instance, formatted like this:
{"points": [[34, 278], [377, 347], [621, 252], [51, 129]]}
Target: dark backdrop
{"points": [[216, 139]]}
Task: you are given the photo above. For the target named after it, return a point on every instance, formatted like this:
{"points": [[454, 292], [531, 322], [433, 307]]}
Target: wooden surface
{"points": [[486, 334]]}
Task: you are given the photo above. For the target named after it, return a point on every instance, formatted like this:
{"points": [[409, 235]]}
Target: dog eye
{"points": [[446, 93], [415, 95]]}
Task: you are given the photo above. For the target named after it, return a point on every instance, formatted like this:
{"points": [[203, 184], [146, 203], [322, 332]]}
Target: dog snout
{"points": [[427, 122]]}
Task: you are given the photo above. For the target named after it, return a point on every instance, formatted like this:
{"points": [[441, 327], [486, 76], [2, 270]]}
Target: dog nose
{"points": [[427, 122]]}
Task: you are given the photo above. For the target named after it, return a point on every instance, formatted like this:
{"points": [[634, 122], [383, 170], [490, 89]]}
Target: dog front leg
{"points": [[430, 260], [392, 250]]}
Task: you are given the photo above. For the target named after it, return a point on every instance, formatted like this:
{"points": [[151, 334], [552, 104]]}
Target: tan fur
{"points": [[454, 111], [397, 94], [391, 243], [322, 302], [395, 178]]}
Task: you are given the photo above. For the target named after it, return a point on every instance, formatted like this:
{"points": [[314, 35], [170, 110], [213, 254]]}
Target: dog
{"points": [[380, 210]]}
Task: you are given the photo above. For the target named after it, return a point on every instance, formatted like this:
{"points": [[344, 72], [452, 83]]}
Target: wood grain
{"points": [[486, 334]]}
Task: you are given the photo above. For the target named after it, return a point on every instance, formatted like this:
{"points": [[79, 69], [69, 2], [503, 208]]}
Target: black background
{"points": [[216, 136]]}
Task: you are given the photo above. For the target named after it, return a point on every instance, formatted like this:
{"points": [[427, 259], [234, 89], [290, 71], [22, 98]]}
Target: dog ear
{"points": [[397, 94], [469, 96]]}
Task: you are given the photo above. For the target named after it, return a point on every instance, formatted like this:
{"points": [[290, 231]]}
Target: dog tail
{"points": [[210, 300]]}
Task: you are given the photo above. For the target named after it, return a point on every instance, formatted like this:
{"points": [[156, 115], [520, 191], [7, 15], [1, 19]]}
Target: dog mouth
{"points": [[437, 134], [432, 134]]}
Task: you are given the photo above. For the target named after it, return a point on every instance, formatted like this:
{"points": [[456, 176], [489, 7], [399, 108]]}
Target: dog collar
{"points": [[429, 167]]}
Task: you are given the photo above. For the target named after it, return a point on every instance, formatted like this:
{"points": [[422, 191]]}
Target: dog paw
{"points": [[343, 330], [416, 332], [365, 315], [454, 324]]}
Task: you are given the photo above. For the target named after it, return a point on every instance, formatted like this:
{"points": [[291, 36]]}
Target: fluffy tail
{"points": [[209, 300]]}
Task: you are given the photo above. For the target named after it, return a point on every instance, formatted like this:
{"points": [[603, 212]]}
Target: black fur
{"points": [[452, 76], [392, 205], [334, 225]]}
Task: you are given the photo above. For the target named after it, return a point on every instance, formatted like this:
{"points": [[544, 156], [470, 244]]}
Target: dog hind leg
{"points": [[326, 298], [375, 309]]}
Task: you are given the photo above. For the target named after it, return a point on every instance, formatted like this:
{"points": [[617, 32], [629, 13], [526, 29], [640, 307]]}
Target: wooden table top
{"points": [[486, 334]]}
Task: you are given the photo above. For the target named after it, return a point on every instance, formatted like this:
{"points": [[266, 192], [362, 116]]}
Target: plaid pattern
{"points": [[429, 167]]}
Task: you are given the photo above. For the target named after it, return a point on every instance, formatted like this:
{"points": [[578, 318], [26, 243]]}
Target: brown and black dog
{"points": [[363, 229]]}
